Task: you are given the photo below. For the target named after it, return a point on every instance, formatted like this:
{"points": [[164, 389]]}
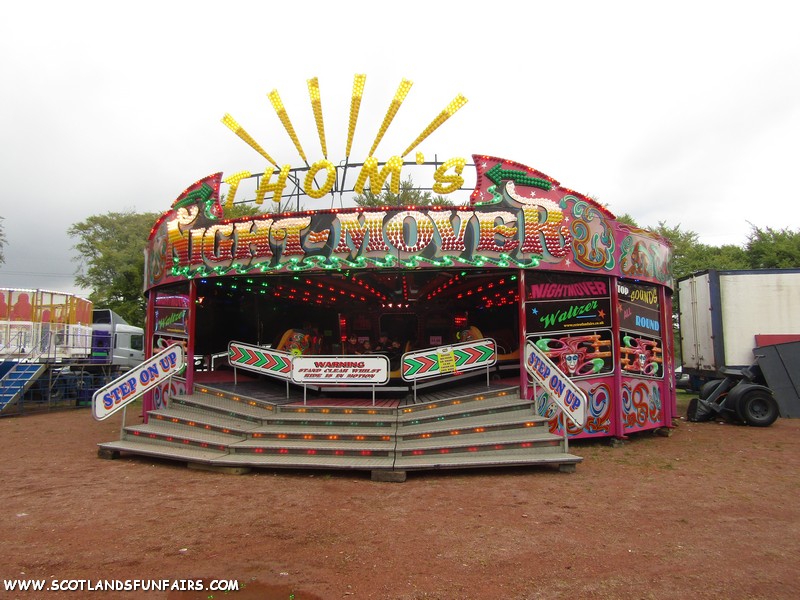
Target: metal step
{"points": [[353, 411], [307, 461], [17, 381], [425, 413], [460, 431], [474, 425], [179, 433], [290, 431], [484, 459], [538, 436], [316, 444], [224, 406], [163, 450], [195, 417]]}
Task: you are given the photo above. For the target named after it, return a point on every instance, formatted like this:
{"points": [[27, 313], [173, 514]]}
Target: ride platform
{"points": [[257, 424]]}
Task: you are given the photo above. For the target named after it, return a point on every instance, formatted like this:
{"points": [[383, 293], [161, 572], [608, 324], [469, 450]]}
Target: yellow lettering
{"points": [[308, 186], [276, 188], [455, 181], [233, 182], [370, 171]]}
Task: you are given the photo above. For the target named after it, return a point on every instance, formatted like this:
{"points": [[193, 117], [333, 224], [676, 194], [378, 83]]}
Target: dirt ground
{"points": [[711, 512]]}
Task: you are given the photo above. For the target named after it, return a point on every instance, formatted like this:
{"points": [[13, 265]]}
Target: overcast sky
{"points": [[683, 112]]}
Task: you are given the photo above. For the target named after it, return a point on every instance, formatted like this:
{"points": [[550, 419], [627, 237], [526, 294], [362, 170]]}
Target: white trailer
{"points": [[725, 318], [722, 312]]}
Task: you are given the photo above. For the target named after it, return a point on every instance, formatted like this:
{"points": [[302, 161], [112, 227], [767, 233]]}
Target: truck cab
{"points": [[114, 341]]}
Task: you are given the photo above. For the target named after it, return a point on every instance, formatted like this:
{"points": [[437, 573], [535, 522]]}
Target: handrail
{"points": [[32, 341]]}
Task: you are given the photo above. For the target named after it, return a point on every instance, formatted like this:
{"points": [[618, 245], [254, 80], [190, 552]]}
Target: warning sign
{"points": [[369, 370]]}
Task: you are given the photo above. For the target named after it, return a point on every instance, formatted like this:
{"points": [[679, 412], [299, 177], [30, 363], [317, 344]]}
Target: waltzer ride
{"points": [[395, 338]]}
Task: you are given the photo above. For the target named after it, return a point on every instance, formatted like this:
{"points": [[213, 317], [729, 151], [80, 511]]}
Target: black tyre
{"points": [[57, 392], [758, 408], [708, 388], [696, 413]]}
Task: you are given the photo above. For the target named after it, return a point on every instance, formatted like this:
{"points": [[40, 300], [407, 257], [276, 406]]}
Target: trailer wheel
{"points": [[696, 413], [758, 408], [708, 388]]}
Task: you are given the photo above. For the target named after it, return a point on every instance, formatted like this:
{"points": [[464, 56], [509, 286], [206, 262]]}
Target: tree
{"points": [[408, 196], [246, 208], [111, 261], [690, 255], [773, 248]]}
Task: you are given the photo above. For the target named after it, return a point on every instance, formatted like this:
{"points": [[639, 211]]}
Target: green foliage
{"points": [[726, 257], [765, 249], [111, 261], [408, 196], [689, 255], [248, 209], [773, 248], [628, 220], [240, 210]]}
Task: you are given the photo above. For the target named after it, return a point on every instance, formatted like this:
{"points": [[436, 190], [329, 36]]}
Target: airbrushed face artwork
{"points": [[561, 390]]}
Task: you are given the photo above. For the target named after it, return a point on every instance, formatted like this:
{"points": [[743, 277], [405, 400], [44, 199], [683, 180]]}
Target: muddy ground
{"points": [[711, 512]]}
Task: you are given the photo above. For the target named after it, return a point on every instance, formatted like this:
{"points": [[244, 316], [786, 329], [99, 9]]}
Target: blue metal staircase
{"points": [[16, 379]]}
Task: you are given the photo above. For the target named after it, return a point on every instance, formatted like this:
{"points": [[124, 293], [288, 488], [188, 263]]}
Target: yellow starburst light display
{"points": [[280, 110], [399, 96], [316, 106], [448, 112], [355, 104], [371, 171], [231, 124]]}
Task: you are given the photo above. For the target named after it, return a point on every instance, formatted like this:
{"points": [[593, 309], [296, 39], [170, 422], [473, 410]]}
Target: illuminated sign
{"points": [[516, 216], [274, 363], [568, 396], [446, 360], [639, 308], [325, 169], [502, 235], [563, 302], [133, 384]]}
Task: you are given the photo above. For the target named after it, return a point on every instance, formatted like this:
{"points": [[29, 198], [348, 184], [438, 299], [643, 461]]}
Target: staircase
{"points": [[218, 429], [16, 379]]}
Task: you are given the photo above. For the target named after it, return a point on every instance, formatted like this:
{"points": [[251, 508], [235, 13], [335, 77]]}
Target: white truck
{"points": [[114, 341], [726, 318]]}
